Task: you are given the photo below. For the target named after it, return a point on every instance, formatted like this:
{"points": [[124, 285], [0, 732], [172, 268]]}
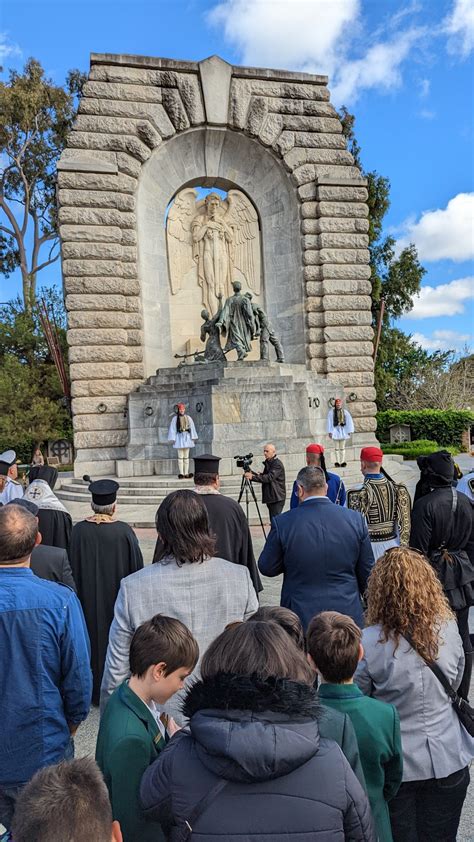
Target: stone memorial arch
{"points": [[149, 133]]}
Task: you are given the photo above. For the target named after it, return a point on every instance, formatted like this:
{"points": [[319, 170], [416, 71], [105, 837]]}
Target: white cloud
{"points": [[442, 340], [443, 300], [443, 234], [459, 26], [426, 114], [317, 36], [8, 49], [425, 86]]}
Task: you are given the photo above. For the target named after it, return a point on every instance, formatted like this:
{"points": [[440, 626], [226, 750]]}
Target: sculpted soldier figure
{"points": [[213, 351], [238, 322], [266, 333]]}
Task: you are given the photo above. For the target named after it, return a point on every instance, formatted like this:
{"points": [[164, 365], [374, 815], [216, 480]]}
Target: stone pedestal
{"points": [[237, 407]]}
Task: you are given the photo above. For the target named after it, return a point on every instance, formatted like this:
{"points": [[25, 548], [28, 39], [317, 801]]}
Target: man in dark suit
{"points": [[323, 551], [48, 562], [273, 481]]}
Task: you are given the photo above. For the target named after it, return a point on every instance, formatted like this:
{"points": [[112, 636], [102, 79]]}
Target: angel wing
{"points": [[242, 218], [179, 238]]}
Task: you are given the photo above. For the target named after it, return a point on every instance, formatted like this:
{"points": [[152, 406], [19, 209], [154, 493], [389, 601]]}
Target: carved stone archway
{"points": [[146, 127]]}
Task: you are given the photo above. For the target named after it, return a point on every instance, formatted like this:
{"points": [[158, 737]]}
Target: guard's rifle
{"points": [[198, 358]]}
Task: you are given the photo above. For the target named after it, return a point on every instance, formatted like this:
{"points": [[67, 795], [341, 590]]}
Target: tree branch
{"points": [[7, 231], [46, 263]]}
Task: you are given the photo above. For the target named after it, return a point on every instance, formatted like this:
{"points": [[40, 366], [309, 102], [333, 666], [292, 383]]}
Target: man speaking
{"points": [[273, 481]]}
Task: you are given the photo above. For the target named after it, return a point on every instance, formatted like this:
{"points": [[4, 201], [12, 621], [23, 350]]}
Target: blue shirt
{"points": [[334, 484], [45, 676]]}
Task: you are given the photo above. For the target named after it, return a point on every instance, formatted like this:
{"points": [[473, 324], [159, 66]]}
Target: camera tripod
{"points": [[247, 486]]}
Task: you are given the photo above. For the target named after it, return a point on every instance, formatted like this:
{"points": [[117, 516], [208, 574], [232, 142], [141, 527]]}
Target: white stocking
{"points": [[186, 462], [182, 451]]}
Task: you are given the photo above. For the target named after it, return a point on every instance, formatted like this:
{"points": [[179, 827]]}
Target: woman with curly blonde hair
{"points": [[406, 602]]}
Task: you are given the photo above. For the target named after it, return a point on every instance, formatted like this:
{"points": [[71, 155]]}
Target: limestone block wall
{"points": [[131, 107]]}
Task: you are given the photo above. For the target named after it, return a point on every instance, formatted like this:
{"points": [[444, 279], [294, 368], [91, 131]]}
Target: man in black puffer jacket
{"points": [[259, 736]]}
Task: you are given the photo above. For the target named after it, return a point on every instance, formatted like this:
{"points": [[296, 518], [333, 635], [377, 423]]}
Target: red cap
{"points": [[181, 406], [338, 400], [371, 454], [315, 448]]}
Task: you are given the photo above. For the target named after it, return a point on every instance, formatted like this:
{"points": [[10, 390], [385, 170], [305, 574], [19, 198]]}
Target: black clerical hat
{"points": [[4, 467], [45, 472], [206, 464], [25, 504], [104, 491]]}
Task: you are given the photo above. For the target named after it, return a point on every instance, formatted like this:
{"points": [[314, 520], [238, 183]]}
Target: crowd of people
{"points": [[324, 717]]}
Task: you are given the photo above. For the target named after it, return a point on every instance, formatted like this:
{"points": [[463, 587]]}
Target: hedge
{"points": [[437, 425], [419, 447]]}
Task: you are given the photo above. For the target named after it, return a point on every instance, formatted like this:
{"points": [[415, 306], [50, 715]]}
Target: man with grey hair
{"points": [[103, 551], [45, 677], [323, 551], [67, 801], [272, 479]]}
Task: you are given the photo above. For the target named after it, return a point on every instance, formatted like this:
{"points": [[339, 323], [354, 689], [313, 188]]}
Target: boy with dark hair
{"points": [[133, 730], [335, 648]]}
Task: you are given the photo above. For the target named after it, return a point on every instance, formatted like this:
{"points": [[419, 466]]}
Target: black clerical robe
{"points": [[234, 542], [101, 555], [55, 527]]}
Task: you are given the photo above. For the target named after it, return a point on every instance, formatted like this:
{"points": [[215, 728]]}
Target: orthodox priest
{"points": [[226, 518], [55, 523], [103, 552], [385, 504]]}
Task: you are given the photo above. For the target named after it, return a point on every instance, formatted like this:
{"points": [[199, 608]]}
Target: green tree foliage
{"points": [[32, 406], [35, 118], [395, 279]]}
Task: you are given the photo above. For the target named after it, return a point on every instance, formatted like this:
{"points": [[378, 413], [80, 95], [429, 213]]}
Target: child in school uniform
{"points": [[334, 649], [133, 730]]}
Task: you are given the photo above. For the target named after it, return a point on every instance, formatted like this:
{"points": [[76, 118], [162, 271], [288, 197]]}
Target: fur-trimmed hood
{"points": [[248, 729]]}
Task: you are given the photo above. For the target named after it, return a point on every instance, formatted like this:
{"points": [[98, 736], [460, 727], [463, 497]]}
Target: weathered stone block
{"points": [[363, 409], [339, 225], [330, 193], [109, 251], [97, 319], [114, 404], [337, 271], [364, 393], [315, 350], [134, 337], [314, 303], [347, 317], [348, 333], [311, 140], [315, 108], [316, 334], [128, 164], [111, 90], [110, 142], [343, 241], [349, 349], [101, 388], [90, 234], [308, 172], [137, 370], [175, 109], [94, 371], [97, 199], [154, 112], [104, 353], [93, 285], [343, 286], [95, 302], [353, 379], [97, 181], [317, 319], [95, 268], [317, 365], [344, 255], [348, 364], [300, 155], [97, 216], [272, 87], [366, 425], [347, 302], [257, 113], [305, 123], [96, 337], [100, 421], [346, 209], [312, 319], [105, 438], [309, 210], [271, 129]]}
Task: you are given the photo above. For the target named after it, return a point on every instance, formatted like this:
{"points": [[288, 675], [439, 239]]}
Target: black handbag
{"points": [[454, 570], [463, 709]]}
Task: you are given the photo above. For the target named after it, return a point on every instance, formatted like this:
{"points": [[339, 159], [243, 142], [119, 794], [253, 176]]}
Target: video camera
{"points": [[244, 462]]}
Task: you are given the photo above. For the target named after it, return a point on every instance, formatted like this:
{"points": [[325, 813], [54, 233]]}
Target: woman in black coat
{"points": [[252, 766]]}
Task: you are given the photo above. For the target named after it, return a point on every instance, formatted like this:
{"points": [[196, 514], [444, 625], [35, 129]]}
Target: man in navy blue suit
{"points": [[323, 551]]}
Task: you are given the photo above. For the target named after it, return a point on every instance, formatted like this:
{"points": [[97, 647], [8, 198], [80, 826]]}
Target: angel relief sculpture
{"points": [[220, 236]]}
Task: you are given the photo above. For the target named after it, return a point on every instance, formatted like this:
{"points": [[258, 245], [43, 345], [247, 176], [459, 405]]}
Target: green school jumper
{"points": [[128, 741], [377, 728]]}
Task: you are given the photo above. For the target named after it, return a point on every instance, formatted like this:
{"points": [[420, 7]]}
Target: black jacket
{"points": [[284, 782], [273, 481], [52, 563], [433, 523]]}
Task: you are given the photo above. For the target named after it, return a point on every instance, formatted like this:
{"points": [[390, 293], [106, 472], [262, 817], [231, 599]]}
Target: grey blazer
{"points": [[205, 597], [434, 742]]}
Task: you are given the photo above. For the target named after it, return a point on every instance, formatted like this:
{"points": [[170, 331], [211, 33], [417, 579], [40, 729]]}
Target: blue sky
{"points": [[404, 68]]}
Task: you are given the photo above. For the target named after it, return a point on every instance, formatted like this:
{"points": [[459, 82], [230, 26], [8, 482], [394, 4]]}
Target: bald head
{"points": [[269, 451], [18, 534]]}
